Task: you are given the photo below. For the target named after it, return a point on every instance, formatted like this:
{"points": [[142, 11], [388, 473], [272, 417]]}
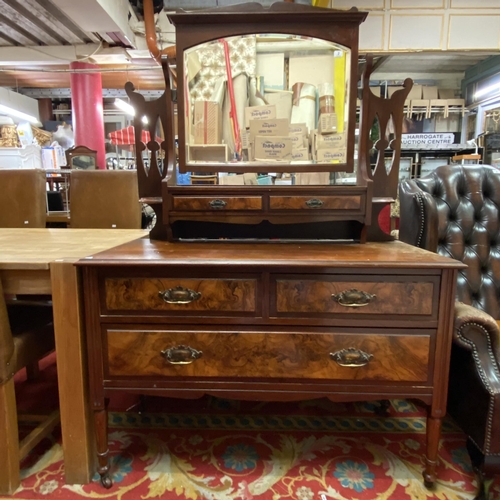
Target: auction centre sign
{"points": [[415, 141]]}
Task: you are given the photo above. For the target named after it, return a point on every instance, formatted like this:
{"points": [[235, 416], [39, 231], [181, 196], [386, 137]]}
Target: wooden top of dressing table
{"points": [[388, 254]]}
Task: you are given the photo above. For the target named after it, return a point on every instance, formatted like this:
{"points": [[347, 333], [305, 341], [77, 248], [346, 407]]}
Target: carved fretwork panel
{"points": [[161, 156], [381, 126], [387, 114]]}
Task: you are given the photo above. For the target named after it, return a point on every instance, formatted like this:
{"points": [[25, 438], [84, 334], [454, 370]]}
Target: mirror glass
{"points": [[266, 99], [83, 162]]}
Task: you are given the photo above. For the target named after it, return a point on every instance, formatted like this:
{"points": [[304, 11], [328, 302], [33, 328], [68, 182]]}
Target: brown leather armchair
{"points": [[455, 211]]}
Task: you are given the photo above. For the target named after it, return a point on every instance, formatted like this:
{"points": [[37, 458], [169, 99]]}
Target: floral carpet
{"points": [[232, 450]]}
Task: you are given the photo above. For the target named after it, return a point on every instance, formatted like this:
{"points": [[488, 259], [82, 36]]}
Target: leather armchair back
{"points": [[455, 212]]}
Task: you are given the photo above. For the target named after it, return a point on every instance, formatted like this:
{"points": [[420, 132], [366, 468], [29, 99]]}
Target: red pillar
{"points": [[86, 101]]}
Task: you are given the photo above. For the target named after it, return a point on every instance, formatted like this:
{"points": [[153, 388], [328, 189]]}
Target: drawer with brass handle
{"points": [[216, 203], [357, 295], [396, 356], [177, 295], [345, 202]]}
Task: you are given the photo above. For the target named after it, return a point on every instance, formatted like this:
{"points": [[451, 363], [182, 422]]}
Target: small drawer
{"points": [[357, 296], [315, 202], [180, 295], [216, 203], [401, 356]]}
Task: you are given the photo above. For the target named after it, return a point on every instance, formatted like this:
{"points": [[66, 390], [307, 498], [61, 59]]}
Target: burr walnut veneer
{"points": [[270, 322]]}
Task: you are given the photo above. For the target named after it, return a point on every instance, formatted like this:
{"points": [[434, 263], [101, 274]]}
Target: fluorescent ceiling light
{"points": [[487, 90], [6, 110], [124, 106]]}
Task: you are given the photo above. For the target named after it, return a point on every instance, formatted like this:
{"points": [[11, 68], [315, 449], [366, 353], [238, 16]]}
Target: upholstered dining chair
{"points": [[105, 199], [455, 211], [26, 335], [24, 202]]}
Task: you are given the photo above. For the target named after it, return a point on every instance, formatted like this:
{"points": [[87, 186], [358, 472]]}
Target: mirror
{"points": [[266, 100], [81, 158]]}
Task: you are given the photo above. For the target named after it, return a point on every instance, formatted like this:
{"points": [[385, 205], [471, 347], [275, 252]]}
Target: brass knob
{"points": [[351, 357], [354, 298], [179, 295], [181, 355]]}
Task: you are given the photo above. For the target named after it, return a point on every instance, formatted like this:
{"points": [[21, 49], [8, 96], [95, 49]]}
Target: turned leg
{"points": [[486, 469], [433, 435], [101, 430]]}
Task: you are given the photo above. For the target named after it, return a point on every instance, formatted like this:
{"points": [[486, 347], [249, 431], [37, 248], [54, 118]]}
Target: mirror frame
{"points": [[337, 26]]}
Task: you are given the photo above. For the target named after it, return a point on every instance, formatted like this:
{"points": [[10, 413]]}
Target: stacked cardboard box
{"points": [[328, 148]]}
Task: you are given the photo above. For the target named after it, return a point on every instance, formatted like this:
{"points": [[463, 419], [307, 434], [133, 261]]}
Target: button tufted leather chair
{"points": [[455, 211]]}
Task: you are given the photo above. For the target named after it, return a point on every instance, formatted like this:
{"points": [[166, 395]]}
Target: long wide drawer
{"points": [[181, 295], [399, 356], [357, 295]]}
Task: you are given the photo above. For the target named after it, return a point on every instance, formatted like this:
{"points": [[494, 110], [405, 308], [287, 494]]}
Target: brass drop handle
{"points": [[351, 357], [314, 203], [217, 204], [181, 355], [354, 298], [179, 295]]}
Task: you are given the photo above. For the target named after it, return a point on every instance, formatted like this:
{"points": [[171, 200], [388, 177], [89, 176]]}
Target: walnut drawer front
{"points": [[181, 295], [359, 297], [402, 356], [352, 202], [216, 203]]}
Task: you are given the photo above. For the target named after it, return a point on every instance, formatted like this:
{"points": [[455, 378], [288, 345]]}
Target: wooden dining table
{"points": [[41, 261]]}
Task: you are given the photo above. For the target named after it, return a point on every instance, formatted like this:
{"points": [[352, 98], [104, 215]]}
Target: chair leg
{"points": [[32, 371], [9, 441]]}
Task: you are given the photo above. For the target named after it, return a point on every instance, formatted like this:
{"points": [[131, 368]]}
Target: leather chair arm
{"points": [[418, 216], [478, 333]]}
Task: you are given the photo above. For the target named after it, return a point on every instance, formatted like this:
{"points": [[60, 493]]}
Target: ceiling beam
{"points": [[35, 20], [68, 24], [16, 27]]}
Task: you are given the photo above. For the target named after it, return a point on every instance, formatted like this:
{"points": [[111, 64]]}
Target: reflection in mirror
{"points": [[267, 98], [83, 162], [254, 179]]}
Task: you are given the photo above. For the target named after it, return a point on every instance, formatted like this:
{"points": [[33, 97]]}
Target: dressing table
{"points": [[269, 292]]}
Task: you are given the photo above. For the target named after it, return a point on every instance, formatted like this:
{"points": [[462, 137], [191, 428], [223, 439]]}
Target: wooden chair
{"points": [[81, 158], [105, 199], [23, 202], [26, 335]]}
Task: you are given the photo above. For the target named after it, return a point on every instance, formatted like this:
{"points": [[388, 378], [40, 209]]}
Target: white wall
{"points": [[427, 25]]}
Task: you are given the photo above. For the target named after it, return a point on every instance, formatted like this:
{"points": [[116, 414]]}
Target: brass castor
{"points": [[106, 481]]}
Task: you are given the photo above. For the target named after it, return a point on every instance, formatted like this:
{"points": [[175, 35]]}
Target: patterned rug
{"points": [[231, 450]]}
